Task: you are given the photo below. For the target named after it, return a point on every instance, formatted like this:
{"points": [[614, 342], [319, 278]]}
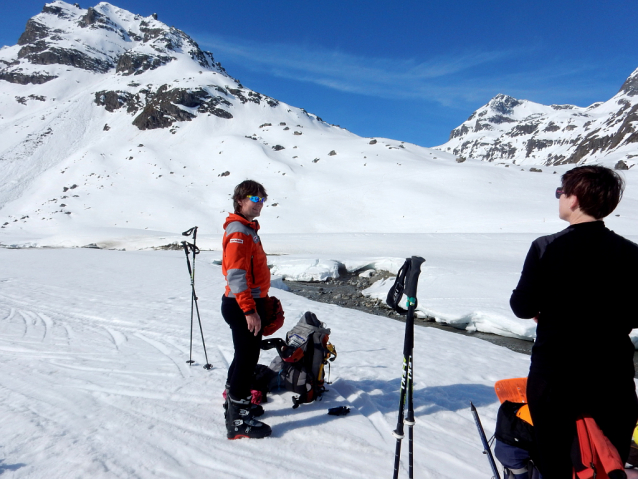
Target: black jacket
{"points": [[582, 283]]}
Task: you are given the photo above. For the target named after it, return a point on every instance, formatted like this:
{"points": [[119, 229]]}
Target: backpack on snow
{"points": [[300, 365]]}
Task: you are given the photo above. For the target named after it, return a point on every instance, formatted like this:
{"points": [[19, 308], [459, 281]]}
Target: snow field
{"points": [[95, 383]]}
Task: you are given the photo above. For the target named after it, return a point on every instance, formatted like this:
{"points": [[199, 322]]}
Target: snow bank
{"points": [[483, 321], [304, 269], [311, 268]]}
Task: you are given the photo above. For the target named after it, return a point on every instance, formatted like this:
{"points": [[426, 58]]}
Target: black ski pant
{"points": [[247, 347], [555, 406]]}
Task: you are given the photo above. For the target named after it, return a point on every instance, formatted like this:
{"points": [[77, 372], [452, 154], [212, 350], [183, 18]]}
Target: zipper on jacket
{"points": [[252, 269]]}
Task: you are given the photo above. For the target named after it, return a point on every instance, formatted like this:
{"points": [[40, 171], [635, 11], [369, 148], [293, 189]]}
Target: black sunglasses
{"points": [[559, 191]]}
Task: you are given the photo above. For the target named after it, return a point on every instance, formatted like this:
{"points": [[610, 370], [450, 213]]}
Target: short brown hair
{"points": [[247, 188], [598, 189]]}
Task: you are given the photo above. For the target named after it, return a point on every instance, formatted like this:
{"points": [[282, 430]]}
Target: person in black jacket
{"points": [[579, 286]]}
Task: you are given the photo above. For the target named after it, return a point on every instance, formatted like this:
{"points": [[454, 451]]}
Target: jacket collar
{"points": [[238, 217]]}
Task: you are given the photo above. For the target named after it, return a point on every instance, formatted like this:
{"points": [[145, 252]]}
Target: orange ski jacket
{"points": [[244, 262]]}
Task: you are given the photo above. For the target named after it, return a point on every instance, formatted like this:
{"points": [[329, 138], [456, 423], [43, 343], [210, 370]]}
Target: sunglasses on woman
{"points": [[559, 191], [256, 199]]}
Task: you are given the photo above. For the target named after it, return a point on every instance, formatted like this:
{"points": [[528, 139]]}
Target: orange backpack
{"points": [[597, 457]]}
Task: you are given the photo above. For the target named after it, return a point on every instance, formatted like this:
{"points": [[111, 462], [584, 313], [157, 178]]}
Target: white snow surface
{"points": [[94, 380], [93, 343]]}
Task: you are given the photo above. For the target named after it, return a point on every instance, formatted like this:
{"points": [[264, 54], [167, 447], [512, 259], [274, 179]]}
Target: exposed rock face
{"points": [[504, 104], [621, 165], [630, 87], [162, 108], [114, 100], [43, 54], [511, 130], [253, 96], [16, 76], [136, 63], [33, 32]]}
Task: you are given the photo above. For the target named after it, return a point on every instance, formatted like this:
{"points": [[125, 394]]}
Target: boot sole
{"points": [[244, 436]]}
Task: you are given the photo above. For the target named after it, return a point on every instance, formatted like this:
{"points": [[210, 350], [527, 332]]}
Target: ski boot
{"points": [[241, 423], [255, 409]]}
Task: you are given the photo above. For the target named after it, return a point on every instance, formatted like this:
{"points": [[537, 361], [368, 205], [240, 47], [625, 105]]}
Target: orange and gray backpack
{"points": [[300, 365]]}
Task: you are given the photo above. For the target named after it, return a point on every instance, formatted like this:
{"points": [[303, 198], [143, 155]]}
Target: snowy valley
{"points": [[118, 132]]}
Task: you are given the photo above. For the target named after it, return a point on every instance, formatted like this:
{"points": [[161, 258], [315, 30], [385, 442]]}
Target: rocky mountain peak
{"points": [[503, 104], [520, 131], [630, 87], [98, 39]]}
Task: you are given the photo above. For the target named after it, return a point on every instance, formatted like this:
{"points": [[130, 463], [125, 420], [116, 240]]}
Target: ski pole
{"points": [[398, 432], [409, 420], [486, 446], [191, 271], [410, 281]]}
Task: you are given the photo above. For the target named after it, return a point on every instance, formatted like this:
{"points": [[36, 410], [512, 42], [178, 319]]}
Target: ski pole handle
{"points": [[412, 278], [192, 231]]}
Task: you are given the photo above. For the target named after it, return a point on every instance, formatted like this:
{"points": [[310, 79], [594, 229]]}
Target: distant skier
{"points": [[248, 281], [580, 285]]}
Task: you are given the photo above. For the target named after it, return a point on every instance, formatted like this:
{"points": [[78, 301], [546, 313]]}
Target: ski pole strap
{"points": [[271, 343], [190, 246], [396, 291], [406, 280], [288, 354]]}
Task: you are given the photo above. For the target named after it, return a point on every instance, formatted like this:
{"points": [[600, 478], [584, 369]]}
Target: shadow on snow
{"points": [[368, 397], [9, 467]]}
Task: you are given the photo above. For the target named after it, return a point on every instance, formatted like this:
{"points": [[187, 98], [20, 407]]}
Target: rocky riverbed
{"points": [[346, 291]]}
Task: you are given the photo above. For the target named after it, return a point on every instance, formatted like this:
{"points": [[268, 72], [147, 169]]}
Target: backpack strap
{"points": [[288, 354]]}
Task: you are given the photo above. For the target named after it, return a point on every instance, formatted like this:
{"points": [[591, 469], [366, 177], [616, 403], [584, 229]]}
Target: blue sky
{"points": [[408, 70]]}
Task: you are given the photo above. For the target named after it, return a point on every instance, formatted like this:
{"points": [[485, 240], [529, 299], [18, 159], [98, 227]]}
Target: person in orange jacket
{"points": [[247, 283]]}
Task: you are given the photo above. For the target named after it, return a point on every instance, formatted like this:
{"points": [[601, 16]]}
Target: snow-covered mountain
{"points": [[113, 119], [524, 132], [114, 125]]}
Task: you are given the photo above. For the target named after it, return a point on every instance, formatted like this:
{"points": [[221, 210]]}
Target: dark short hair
{"points": [[247, 188], [598, 189]]}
